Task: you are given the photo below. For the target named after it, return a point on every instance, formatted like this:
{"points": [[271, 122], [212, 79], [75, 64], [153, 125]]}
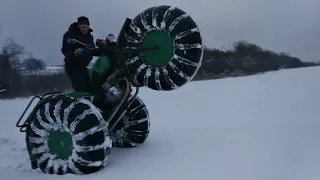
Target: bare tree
{"points": [[6, 72], [11, 48], [10, 65], [33, 64]]}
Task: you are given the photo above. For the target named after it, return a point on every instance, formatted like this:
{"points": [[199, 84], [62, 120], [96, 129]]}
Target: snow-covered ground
{"points": [[50, 70], [263, 127]]}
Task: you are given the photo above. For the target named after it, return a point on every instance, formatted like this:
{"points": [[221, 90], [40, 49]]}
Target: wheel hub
{"points": [[60, 143], [164, 42]]}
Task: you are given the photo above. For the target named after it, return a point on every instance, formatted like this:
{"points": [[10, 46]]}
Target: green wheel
{"points": [[68, 135], [133, 128], [179, 44]]}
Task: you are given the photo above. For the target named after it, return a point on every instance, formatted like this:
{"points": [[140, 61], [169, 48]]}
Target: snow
{"points": [[49, 70], [55, 67], [263, 127]]}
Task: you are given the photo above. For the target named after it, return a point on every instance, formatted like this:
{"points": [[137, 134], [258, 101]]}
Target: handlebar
{"points": [[107, 48]]}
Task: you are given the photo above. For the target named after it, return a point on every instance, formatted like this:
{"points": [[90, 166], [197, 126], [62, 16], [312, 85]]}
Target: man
{"points": [[76, 58]]}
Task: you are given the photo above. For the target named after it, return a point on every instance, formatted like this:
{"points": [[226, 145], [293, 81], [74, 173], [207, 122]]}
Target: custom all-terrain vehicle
{"points": [[73, 132]]}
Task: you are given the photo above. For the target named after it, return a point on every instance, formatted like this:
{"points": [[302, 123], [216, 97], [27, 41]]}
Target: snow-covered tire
{"points": [[180, 48], [133, 128], [68, 136]]}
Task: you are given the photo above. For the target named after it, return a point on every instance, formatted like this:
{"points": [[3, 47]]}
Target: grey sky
{"points": [[291, 26]]}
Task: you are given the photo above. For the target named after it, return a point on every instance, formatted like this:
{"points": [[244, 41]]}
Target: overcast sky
{"points": [[291, 26]]}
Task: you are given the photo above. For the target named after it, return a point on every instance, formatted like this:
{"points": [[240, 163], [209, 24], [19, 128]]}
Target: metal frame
{"points": [[120, 109], [25, 124]]}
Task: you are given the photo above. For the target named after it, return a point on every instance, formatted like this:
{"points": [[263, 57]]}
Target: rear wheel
{"points": [[68, 136], [133, 128], [180, 48]]}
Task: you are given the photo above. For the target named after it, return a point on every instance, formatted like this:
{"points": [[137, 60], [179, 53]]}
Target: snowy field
{"points": [[50, 70], [263, 127]]}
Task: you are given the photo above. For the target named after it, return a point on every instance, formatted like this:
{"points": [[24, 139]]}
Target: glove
{"points": [[111, 38], [79, 51]]}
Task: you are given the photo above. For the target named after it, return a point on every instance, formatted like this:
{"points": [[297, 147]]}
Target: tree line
{"points": [[14, 62], [245, 59], [242, 59]]}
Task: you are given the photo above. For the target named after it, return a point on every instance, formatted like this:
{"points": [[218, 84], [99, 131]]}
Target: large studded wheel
{"points": [[68, 136], [133, 129], [179, 44]]}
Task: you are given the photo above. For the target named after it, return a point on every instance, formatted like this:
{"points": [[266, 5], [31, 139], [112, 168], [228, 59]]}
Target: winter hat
{"points": [[83, 20]]}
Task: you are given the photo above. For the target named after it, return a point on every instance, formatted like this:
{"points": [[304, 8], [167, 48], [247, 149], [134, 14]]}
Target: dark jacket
{"points": [[68, 49]]}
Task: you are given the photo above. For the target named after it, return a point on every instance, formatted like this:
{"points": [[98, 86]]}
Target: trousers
{"points": [[79, 77]]}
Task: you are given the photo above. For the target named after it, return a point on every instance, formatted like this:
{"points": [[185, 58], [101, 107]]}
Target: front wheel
{"points": [[180, 48]]}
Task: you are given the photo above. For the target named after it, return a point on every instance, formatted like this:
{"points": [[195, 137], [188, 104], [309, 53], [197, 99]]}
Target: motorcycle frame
{"points": [[121, 68]]}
